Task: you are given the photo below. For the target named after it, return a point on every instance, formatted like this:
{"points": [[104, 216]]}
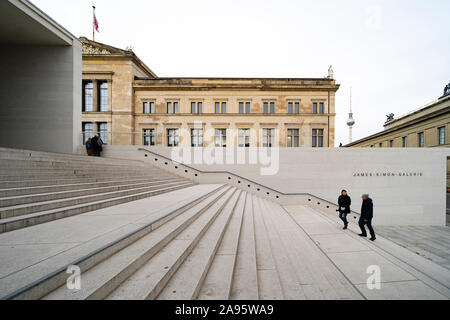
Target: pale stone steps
{"points": [[244, 285], [25, 191], [327, 282], [100, 234], [32, 163], [269, 283], [290, 284], [9, 174], [11, 224], [186, 283], [152, 277], [21, 183], [219, 279], [57, 195], [25, 209], [107, 275]]}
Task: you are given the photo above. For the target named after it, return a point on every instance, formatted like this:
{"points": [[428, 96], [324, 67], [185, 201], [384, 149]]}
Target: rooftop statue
{"points": [[330, 73], [390, 117], [447, 90]]}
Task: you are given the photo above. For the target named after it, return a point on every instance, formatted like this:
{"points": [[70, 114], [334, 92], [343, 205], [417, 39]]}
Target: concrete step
{"points": [[100, 280], [319, 278], [32, 163], [21, 182], [8, 174], [24, 191], [244, 285], [152, 277], [269, 283], [290, 284], [219, 279], [11, 224], [186, 283], [24, 209], [49, 196]]}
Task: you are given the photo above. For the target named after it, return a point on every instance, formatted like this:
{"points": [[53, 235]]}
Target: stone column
{"points": [[95, 104]]}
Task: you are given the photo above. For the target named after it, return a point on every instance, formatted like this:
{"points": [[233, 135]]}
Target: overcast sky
{"points": [[394, 53]]}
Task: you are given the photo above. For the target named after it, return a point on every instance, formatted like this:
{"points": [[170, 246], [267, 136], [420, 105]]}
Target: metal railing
{"points": [[240, 179]]}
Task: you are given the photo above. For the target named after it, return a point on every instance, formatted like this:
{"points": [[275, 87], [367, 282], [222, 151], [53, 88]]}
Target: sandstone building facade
{"points": [[128, 104]]}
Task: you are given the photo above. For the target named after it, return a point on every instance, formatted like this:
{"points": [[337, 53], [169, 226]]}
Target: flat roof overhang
{"points": [[22, 23]]}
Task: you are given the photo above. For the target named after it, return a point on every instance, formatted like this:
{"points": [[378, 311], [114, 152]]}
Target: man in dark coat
{"points": [[95, 145], [366, 217], [344, 202]]}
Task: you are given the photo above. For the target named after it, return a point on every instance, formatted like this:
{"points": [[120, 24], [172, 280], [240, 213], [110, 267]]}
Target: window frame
{"points": [[244, 134], [293, 133], [268, 137], [318, 138], [442, 140], [220, 137], [175, 136], [150, 136], [197, 138]]}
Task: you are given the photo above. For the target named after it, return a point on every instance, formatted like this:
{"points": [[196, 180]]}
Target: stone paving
{"points": [[433, 243]]}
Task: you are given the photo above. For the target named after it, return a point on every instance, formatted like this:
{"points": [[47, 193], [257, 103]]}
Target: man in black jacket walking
{"points": [[344, 202], [366, 217]]}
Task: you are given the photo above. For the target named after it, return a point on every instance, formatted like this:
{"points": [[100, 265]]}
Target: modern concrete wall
{"points": [[408, 186], [40, 97]]}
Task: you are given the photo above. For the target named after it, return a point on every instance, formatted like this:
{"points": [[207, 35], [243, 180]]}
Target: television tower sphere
{"points": [[351, 121]]}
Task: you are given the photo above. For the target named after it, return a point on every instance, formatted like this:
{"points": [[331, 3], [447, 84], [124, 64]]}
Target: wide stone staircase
{"points": [[37, 187], [135, 232]]}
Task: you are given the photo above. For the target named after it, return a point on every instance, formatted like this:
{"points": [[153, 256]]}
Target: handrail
{"points": [[242, 178]]}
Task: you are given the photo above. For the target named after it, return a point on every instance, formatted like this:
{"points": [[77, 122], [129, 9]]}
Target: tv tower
{"points": [[350, 121]]}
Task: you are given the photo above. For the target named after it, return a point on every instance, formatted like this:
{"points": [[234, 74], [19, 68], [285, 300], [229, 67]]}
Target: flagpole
{"points": [[93, 23]]}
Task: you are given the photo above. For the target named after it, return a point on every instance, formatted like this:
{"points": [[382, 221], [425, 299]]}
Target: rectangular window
{"points": [[221, 138], [317, 138], [103, 96], [321, 108], [88, 97], [315, 107], [381, 145], [244, 138], [405, 142], [421, 140], [269, 107], [103, 130], [149, 137], [197, 138], [148, 107], [293, 138], [391, 143], [196, 107], [221, 107], [441, 136], [268, 138], [173, 137], [88, 130], [172, 107], [293, 107], [244, 107]]}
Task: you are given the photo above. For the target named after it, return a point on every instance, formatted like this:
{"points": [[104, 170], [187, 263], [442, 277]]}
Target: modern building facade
{"points": [[128, 104], [426, 127], [40, 81]]}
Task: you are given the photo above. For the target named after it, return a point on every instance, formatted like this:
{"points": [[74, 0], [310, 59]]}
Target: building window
{"points": [[441, 136], [293, 107], [149, 137], [221, 138], [196, 107], [221, 107], [318, 108], [381, 145], [405, 142], [172, 107], [269, 107], [103, 131], [268, 138], [197, 138], [371, 145], [421, 140], [244, 107], [103, 96], [173, 137], [391, 143], [148, 107], [244, 138], [88, 105], [88, 131], [317, 138], [293, 138]]}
